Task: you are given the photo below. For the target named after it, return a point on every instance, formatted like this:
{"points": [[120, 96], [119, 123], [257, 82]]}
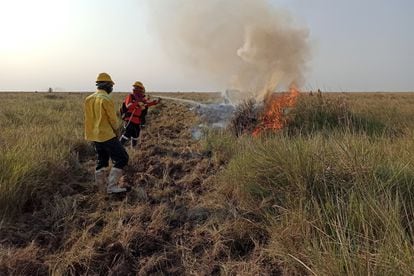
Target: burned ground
{"points": [[164, 225]]}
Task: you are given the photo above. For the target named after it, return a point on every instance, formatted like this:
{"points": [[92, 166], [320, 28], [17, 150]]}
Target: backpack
{"points": [[124, 110]]}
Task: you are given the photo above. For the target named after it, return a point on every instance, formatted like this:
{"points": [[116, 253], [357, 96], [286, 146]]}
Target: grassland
{"points": [[332, 194]]}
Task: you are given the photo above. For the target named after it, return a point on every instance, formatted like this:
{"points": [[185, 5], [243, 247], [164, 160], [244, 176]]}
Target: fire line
{"points": [[273, 118]]}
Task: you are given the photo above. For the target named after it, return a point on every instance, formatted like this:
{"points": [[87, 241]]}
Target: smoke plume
{"points": [[246, 45]]}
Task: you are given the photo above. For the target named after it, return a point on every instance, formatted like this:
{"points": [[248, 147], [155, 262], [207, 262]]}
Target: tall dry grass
{"points": [[40, 141], [337, 197]]}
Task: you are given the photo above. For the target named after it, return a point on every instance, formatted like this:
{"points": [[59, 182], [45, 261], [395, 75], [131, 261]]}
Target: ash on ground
{"points": [[212, 116], [215, 115], [239, 119]]}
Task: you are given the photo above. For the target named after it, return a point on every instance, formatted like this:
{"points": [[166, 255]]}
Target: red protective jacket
{"points": [[135, 107], [136, 103]]}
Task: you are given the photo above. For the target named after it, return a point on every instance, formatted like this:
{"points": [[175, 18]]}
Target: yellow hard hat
{"points": [[104, 77], [138, 84]]}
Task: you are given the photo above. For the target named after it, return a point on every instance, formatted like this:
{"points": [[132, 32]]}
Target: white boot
{"points": [[100, 178], [114, 177]]}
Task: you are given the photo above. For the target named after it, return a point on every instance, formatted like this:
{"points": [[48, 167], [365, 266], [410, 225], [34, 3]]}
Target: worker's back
{"points": [[100, 117]]}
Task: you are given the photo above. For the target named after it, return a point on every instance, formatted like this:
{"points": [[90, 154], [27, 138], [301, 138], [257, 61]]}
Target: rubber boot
{"points": [[100, 178], [114, 177], [123, 140], [134, 143]]}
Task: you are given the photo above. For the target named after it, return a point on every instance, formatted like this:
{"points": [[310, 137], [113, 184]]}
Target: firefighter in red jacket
{"points": [[137, 105]]}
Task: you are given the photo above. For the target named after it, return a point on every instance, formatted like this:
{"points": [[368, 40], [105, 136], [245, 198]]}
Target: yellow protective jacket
{"points": [[101, 122]]}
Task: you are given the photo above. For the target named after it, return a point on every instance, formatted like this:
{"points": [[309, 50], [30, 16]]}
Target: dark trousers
{"points": [[110, 149], [131, 132]]}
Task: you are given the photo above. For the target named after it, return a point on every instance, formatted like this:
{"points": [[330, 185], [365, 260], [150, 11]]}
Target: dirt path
{"points": [[170, 174]]}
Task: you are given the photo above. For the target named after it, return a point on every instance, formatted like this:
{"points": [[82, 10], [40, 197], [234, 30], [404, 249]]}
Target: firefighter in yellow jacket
{"points": [[101, 124]]}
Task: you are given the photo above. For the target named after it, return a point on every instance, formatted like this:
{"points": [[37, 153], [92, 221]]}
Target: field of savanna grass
{"points": [[331, 194]]}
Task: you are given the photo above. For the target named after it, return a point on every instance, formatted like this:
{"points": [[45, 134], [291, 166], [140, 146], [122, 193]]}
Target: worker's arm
{"points": [[149, 102]]}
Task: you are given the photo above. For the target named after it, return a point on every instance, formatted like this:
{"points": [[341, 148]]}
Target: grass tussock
{"points": [[220, 145], [333, 206], [326, 114], [245, 118]]}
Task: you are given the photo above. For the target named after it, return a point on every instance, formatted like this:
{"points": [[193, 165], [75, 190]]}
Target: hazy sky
{"points": [[357, 45]]}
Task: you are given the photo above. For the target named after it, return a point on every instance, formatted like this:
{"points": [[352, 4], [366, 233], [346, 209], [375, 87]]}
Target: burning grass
{"points": [[298, 114], [275, 109]]}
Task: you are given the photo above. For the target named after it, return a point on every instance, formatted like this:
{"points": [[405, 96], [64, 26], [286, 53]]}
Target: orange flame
{"points": [[275, 107]]}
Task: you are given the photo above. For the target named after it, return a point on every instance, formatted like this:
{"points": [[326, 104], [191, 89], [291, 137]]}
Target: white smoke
{"points": [[247, 45]]}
